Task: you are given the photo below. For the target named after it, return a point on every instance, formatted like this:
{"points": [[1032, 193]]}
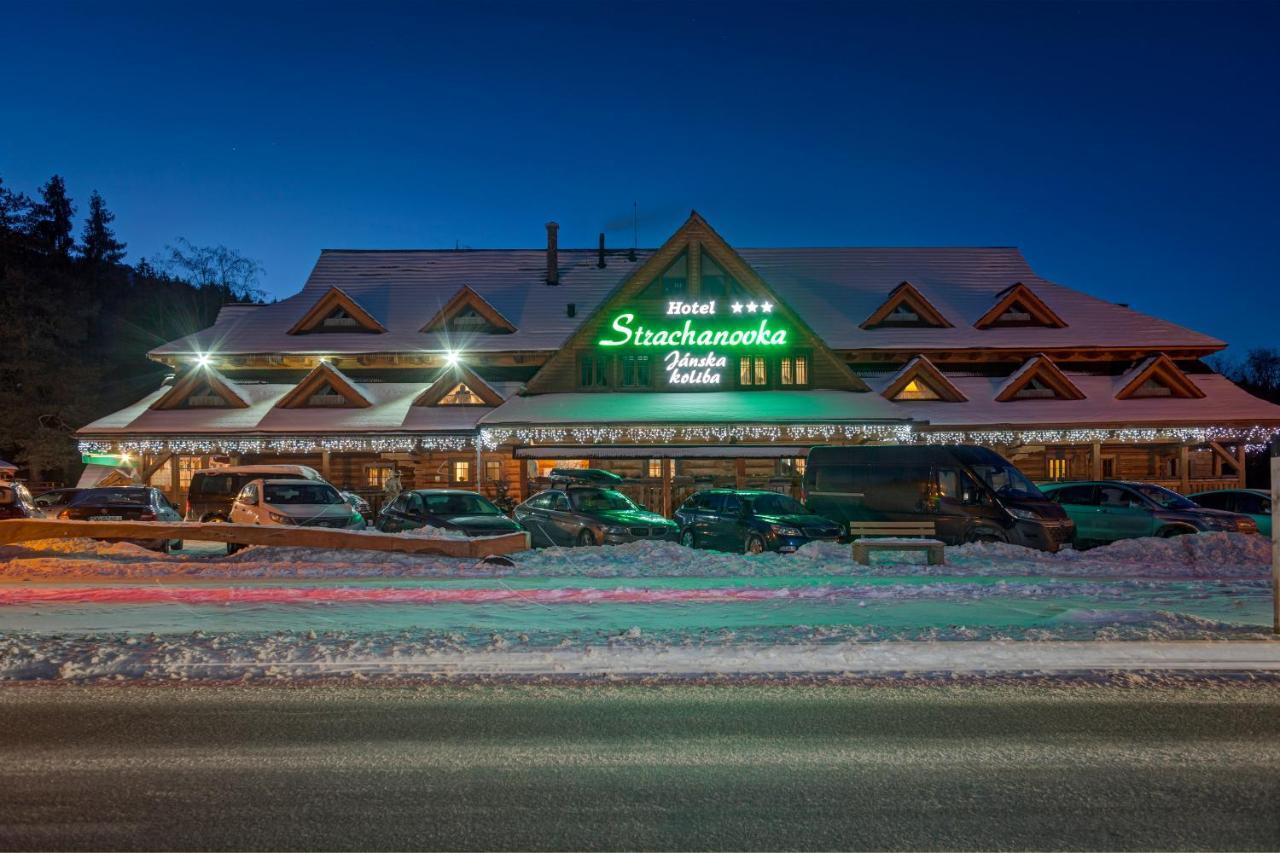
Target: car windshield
{"points": [[112, 496], [311, 494], [777, 505], [1007, 481], [1164, 497], [595, 500], [447, 505]]}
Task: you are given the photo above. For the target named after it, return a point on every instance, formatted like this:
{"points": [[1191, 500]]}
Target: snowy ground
{"points": [[89, 611]]}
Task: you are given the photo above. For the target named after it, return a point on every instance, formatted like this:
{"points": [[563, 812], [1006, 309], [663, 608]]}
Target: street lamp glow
{"points": [[451, 358], [202, 360]]}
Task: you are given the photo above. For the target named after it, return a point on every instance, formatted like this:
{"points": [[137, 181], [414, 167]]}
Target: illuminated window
{"points": [[793, 465], [655, 468], [1057, 469], [634, 371], [461, 395], [461, 470], [376, 476], [751, 371], [794, 370], [917, 390], [493, 470]]}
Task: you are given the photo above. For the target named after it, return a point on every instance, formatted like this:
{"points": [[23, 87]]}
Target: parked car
{"points": [[125, 503], [970, 494], [750, 521], [451, 509], [16, 502], [213, 490], [590, 515], [1255, 503], [1107, 510], [361, 507], [55, 500], [307, 503]]}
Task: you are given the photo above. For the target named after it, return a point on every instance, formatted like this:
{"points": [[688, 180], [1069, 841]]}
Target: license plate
{"points": [[106, 518]]}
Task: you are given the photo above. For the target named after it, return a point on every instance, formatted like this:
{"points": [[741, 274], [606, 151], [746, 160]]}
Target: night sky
{"points": [[1129, 150]]}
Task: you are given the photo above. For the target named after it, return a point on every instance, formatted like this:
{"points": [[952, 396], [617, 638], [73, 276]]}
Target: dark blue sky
{"points": [[1129, 150]]}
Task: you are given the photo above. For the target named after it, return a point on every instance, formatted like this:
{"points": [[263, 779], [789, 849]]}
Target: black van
{"points": [[971, 494]]}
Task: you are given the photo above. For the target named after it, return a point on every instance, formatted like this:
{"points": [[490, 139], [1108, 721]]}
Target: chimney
{"points": [[600, 256], [553, 256]]}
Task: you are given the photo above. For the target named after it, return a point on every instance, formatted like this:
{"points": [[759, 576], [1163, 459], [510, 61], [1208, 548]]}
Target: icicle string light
{"points": [[1255, 438]]}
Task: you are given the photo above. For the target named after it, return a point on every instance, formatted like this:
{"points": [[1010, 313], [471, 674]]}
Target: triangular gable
{"points": [[1037, 375], [920, 380], [1019, 306], [449, 380], [323, 383], [467, 303], [906, 306], [200, 388], [692, 239], [336, 311], [1158, 376]]}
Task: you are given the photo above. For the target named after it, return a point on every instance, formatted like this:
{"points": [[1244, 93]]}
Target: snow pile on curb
{"points": [[1206, 555]]}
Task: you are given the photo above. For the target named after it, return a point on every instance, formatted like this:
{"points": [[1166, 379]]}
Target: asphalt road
{"points": [[630, 766]]}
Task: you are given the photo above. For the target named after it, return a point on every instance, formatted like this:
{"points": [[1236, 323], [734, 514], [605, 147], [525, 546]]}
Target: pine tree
{"points": [[51, 219], [98, 243]]}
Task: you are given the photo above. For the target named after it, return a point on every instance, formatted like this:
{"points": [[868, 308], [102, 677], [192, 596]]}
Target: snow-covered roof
{"points": [[1224, 403], [708, 407], [833, 290], [391, 410]]}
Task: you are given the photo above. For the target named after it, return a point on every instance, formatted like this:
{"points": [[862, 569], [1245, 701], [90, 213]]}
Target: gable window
{"points": [[715, 283], [917, 390], [461, 470], [593, 371], [461, 395], [1152, 388], [1035, 389], [794, 370], [326, 396], [752, 371], [204, 397], [675, 281], [339, 319], [634, 371]]}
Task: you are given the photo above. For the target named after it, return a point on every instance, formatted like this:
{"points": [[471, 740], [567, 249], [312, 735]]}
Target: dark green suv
{"points": [[750, 521], [1107, 510]]}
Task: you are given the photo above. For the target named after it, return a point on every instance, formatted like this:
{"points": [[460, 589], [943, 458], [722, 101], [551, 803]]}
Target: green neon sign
{"points": [[111, 459], [628, 333]]}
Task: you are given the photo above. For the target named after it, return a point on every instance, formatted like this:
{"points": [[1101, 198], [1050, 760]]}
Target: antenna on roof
{"points": [[635, 232]]}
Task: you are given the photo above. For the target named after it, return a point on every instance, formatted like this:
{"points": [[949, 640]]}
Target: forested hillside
{"points": [[77, 320]]}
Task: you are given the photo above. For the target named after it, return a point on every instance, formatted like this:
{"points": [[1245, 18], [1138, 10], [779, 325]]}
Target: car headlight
{"points": [[786, 530], [1021, 513], [278, 518], [616, 531]]}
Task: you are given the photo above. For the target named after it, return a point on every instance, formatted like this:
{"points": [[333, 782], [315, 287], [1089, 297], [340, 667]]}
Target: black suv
{"points": [[750, 521]]}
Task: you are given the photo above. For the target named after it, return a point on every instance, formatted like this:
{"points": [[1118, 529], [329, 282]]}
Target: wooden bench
{"points": [[895, 536]]}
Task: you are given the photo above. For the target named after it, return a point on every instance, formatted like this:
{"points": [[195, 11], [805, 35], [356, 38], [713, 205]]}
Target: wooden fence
{"points": [[25, 530]]}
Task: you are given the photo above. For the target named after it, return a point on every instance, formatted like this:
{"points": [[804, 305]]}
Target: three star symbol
{"points": [[753, 306]]}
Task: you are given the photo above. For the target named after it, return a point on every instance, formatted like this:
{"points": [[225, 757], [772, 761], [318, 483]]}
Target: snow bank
{"points": [[1206, 555]]}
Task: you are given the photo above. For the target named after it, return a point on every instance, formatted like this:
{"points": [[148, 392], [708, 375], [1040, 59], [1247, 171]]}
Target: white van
{"points": [[293, 501]]}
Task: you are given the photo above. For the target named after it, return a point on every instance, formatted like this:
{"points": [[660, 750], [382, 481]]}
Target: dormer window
{"points": [[205, 397], [468, 313], [1019, 306], [461, 395], [336, 311], [906, 307], [1035, 390], [326, 396], [917, 390], [1152, 388], [340, 320], [919, 380], [1158, 377]]}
